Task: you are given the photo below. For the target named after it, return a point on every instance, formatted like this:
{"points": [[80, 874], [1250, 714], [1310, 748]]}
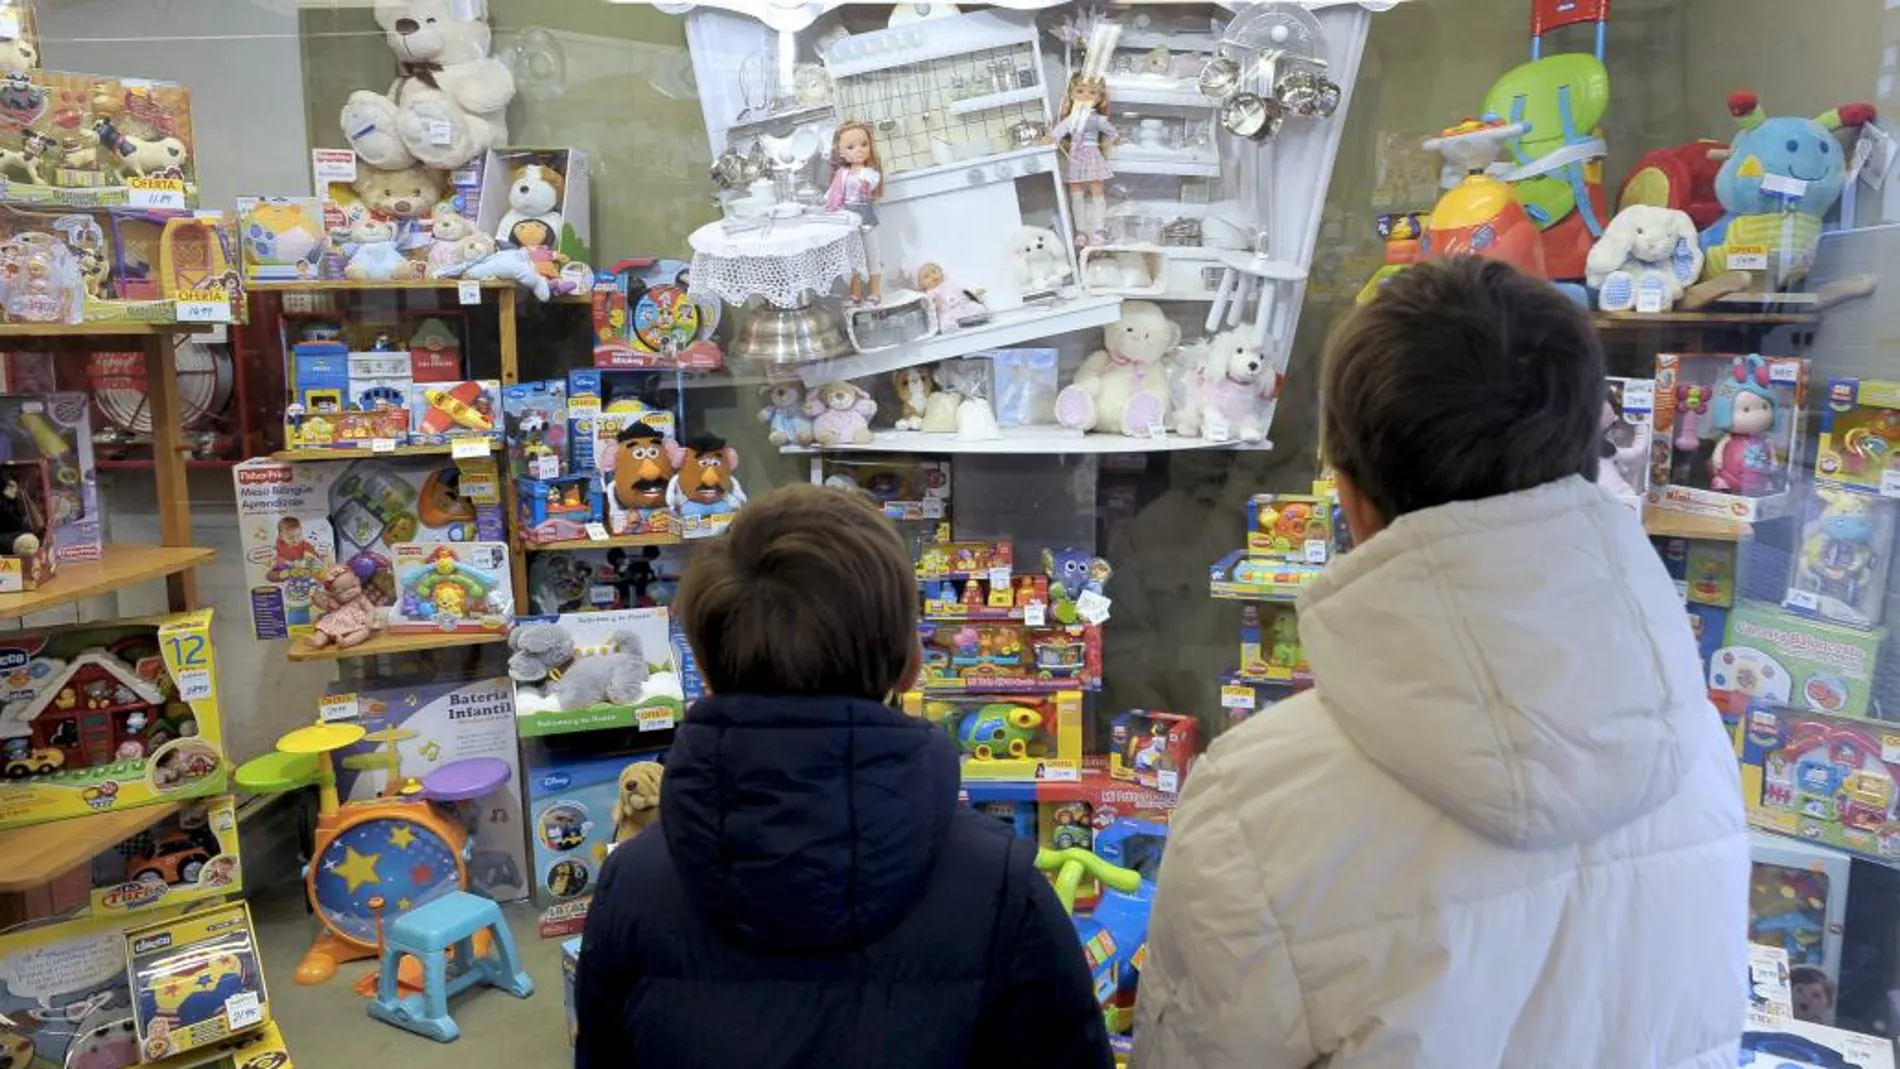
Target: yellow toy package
{"points": [[108, 716], [64, 997], [1010, 737], [195, 980], [190, 856]]}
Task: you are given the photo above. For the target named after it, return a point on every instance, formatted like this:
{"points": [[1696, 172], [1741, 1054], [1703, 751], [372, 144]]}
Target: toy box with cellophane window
{"points": [[573, 803], [109, 716], [1296, 527], [1015, 736], [1823, 779], [196, 980], [1007, 657], [190, 856], [452, 587], [1860, 426], [1153, 749], [1728, 434]]}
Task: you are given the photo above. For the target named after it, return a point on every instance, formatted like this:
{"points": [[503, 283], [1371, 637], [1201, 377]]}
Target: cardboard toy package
{"points": [[1773, 656], [575, 806], [57, 428], [191, 856], [65, 999], [1823, 779]]}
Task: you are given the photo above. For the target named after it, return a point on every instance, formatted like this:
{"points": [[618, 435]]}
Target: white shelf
{"points": [[1149, 40], [1134, 89], [1184, 166], [1003, 330], [992, 101], [938, 38], [962, 174], [1054, 441]]}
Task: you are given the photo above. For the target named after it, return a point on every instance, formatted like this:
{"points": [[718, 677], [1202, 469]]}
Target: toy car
{"points": [[176, 858], [37, 762]]}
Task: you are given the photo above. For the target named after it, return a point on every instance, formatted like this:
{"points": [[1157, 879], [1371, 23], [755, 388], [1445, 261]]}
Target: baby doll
{"points": [[1081, 130], [348, 617], [956, 304], [1744, 460], [857, 181]]}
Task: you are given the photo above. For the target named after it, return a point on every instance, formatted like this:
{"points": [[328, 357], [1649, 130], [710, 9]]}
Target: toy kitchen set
{"points": [[976, 180]]}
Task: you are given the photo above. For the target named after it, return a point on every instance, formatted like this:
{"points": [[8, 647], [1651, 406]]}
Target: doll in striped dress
{"points": [[1083, 131]]}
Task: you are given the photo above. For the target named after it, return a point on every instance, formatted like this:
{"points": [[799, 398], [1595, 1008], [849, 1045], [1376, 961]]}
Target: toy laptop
{"points": [[196, 980]]}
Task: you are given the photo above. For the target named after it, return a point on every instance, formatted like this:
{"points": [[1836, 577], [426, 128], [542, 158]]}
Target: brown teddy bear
{"points": [[409, 193], [638, 806]]}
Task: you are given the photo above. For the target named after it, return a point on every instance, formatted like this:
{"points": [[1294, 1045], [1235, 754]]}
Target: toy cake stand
{"points": [[788, 264]]}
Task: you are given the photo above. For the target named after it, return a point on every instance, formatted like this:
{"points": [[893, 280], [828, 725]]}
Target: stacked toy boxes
{"points": [[369, 387]]}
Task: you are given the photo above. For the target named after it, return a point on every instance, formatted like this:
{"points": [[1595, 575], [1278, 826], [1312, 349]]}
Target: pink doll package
{"points": [[1727, 431]]}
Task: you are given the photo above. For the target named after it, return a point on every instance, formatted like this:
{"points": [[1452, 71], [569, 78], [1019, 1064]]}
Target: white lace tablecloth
{"points": [[781, 260]]}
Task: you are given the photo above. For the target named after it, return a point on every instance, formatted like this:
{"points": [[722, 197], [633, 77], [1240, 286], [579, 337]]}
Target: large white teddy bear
{"points": [[1123, 386], [450, 99], [1645, 251]]}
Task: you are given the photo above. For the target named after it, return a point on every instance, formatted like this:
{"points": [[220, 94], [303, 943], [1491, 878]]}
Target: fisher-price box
{"points": [[190, 856], [413, 730], [452, 587], [1773, 657], [1860, 427], [109, 716], [1728, 434], [1823, 779], [285, 536], [572, 803], [65, 1000]]}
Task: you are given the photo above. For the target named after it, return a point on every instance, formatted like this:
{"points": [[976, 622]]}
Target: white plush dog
{"points": [[1228, 392], [1040, 261], [1645, 251], [449, 102]]}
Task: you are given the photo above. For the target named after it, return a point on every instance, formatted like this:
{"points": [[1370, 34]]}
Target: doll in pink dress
{"points": [[857, 181], [1744, 460], [1081, 131]]}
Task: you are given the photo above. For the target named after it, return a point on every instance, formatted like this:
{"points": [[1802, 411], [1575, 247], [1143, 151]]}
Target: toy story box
{"points": [[109, 716], [414, 729], [1774, 657]]}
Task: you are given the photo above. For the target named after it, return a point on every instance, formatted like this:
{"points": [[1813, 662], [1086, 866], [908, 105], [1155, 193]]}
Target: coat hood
{"points": [[806, 825], [1521, 662]]}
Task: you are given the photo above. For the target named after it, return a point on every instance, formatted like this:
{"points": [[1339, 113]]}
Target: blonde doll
{"points": [[1082, 129], [857, 181]]}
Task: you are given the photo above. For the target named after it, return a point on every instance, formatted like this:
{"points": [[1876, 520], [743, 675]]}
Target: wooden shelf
{"points": [[386, 643], [122, 566], [1661, 523], [606, 543], [361, 454], [1639, 320], [40, 853], [343, 285], [96, 330]]}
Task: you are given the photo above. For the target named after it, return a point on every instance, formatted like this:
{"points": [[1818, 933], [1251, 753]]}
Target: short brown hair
{"points": [[810, 591], [1463, 379]]}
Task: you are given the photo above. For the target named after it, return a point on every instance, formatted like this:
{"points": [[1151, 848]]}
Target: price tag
{"points": [[468, 291], [333, 165], [9, 23], [1092, 607], [1748, 258], [1168, 781], [1782, 185], [1890, 748], [999, 577], [470, 449], [479, 481], [1059, 772], [1890, 483], [338, 707], [441, 133], [1237, 696], [596, 532], [1649, 300], [155, 193], [12, 577], [544, 466], [202, 306], [656, 719], [601, 594], [242, 1011], [194, 685], [1639, 395], [1035, 614], [1157, 429], [1803, 599], [1317, 550], [1216, 431], [933, 508]]}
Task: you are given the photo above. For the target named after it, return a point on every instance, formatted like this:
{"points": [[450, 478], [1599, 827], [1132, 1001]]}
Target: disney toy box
{"points": [[1774, 657], [191, 856], [598, 580], [1728, 432], [414, 729], [108, 716], [1014, 737], [574, 803], [196, 980], [644, 318], [1823, 779], [1153, 749]]}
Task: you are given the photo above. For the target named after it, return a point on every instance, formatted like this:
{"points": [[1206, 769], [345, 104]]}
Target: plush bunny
{"points": [[1645, 251]]}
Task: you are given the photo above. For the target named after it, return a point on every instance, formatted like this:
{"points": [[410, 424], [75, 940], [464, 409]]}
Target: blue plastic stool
{"points": [[427, 932]]}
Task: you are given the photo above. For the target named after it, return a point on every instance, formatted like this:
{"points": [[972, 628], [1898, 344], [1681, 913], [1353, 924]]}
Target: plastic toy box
{"points": [[191, 856], [1153, 749], [975, 656], [620, 577], [1797, 900], [980, 599], [644, 318], [414, 729], [1710, 625], [1773, 656], [571, 802], [1797, 1044], [1295, 527], [1823, 779], [1860, 428], [967, 560], [196, 980], [109, 716], [1240, 575], [601, 404], [1702, 464], [1020, 737], [535, 418], [558, 509], [377, 504], [442, 413], [452, 587], [65, 1000], [906, 489], [1840, 572], [57, 428], [1270, 650]]}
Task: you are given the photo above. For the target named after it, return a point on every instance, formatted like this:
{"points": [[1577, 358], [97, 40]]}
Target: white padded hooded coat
{"points": [[1504, 830]]}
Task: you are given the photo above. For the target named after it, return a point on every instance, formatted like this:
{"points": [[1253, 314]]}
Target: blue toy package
{"points": [[534, 416], [601, 404], [1710, 624], [1840, 573], [558, 510], [599, 580], [573, 803], [1024, 385]]}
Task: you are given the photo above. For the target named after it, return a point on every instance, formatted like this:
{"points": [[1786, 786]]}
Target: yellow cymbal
{"points": [[321, 738]]}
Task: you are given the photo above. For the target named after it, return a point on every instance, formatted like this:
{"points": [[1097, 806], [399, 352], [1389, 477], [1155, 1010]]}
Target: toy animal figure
{"points": [[1646, 256], [1779, 177], [1839, 559], [1228, 394], [1285, 633], [137, 156], [784, 413], [1122, 387], [841, 414], [1039, 259], [638, 806], [449, 102], [349, 618], [514, 265], [1745, 413], [535, 192], [25, 161], [913, 396], [705, 483], [373, 252], [1072, 573], [638, 466]]}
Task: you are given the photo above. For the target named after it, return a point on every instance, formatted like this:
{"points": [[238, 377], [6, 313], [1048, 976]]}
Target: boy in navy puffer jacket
{"points": [[816, 896]]}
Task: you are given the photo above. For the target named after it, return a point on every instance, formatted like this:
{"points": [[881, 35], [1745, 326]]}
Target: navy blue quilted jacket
{"points": [[818, 898]]}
